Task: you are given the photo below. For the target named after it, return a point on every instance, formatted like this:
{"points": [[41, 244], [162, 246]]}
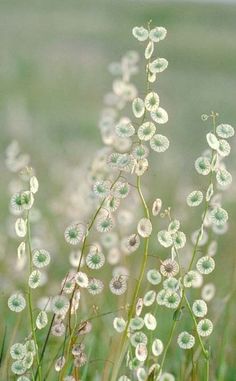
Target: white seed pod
{"points": [[205, 327], [172, 299], [205, 265], [174, 226], [144, 227], [59, 364], [81, 279], [101, 189], [151, 77], [121, 189], [224, 148], [119, 324], [185, 340], [212, 141], [157, 347], [124, 129], [141, 374], [153, 277], [219, 216], [34, 184], [225, 131], [17, 351], [21, 227], [141, 352], [124, 378], [16, 302], [164, 237], [223, 177], [159, 116], [149, 298], [140, 33], [21, 250], [41, 258], [169, 268], [208, 292], [199, 308], [150, 321], [157, 34], [18, 367], [139, 307], [34, 279], [152, 101], [158, 65], [27, 199], [149, 50], [212, 248], [146, 131], [203, 165], [159, 143], [136, 323], [179, 240], [195, 198], [156, 207], [41, 320], [141, 167], [210, 192], [138, 107]]}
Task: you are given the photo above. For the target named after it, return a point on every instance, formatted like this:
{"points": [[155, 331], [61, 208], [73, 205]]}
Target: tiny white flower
{"points": [[21, 227], [157, 34], [140, 33]]}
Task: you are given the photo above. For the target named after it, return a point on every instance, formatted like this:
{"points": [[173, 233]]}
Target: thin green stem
{"points": [[204, 351], [207, 369], [30, 304], [72, 331], [136, 291], [174, 323]]}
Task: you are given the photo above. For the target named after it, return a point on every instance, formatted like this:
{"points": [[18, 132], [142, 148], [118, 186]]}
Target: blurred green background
{"points": [[53, 72], [53, 76]]}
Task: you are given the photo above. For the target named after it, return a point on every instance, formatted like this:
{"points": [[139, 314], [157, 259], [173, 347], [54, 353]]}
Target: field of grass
{"points": [[53, 78]]}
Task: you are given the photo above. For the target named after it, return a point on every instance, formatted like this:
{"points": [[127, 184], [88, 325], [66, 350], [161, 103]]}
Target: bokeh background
{"points": [[53, 76]]}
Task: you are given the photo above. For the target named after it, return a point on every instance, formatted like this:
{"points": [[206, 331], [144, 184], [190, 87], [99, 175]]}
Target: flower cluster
{"points": [[122, 229]]}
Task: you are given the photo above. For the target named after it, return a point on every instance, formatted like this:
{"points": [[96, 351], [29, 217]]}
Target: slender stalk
{"points": [[204, 351], [33, 328], [90, 226], [136, 291], [174, 323]]}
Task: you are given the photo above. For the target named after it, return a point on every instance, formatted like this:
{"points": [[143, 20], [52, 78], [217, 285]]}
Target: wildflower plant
{"points": [[124, 227]]}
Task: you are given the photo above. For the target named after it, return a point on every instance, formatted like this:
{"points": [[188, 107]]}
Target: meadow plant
{"points": [[151, 264]]}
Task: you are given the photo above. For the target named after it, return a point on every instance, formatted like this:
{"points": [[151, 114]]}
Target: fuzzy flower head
{"points": [[16, 302], [205, 265], [205, 327], [95, 286], [144, 227], [169, 268], [199, 308], [60, 304], [118, 285], [219, 216], [172, 299], [95, 259], [74, 233], [185, 340]]}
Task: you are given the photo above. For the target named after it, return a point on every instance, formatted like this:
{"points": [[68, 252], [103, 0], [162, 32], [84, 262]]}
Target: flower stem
{"points": [[136, 291], [33, 328]]}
